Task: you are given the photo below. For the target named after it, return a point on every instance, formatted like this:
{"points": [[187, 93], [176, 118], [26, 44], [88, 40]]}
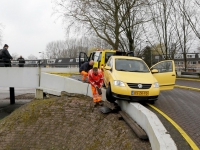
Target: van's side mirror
{"points": [[154, 71], [107, 67]]}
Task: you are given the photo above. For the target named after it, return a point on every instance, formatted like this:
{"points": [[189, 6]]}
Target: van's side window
{"points": [[96, 56], [99, 59], [92, 56], [166, 66]]}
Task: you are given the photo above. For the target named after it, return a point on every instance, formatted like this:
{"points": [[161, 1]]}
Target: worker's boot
{"points": [[99, 97]]}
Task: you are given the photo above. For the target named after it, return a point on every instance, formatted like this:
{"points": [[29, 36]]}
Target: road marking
{"points": [[182, 132], [188, 79], [187, 87]]}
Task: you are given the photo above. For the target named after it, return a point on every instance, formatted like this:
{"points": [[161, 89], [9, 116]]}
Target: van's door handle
{"points": [[173, 75]]}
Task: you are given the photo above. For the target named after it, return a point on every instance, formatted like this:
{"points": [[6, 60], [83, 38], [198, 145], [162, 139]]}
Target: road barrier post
{"points": [[12, 95]]}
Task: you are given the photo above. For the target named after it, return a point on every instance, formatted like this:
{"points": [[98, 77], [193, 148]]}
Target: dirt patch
{"points": [[24, 96], [66, 123]]}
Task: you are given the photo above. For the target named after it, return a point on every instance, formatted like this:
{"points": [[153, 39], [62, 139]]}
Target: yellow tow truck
{"points": [[100, 57]]}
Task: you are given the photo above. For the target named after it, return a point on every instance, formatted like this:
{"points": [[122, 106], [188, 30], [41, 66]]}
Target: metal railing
{"points": [[191, 73], [38, 63]]}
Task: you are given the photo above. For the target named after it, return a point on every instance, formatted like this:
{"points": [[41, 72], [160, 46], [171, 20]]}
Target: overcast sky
{"points": [[29, 26]]}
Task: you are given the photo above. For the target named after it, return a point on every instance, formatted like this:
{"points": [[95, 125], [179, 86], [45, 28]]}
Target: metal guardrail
{"points": [[38, 63], [191, 73]]}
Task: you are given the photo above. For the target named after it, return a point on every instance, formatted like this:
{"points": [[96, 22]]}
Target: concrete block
{"points": [[39, 94]]}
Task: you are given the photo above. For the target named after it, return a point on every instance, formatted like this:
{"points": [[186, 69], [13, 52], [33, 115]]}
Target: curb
{"points": [[187, 88]]}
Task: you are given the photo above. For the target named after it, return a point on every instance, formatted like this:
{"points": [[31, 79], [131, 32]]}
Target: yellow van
{"points": [[130, 79]]}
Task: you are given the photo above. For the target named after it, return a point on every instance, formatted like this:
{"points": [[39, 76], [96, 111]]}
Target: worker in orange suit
{"points": [[85, 67], [95, 78]]}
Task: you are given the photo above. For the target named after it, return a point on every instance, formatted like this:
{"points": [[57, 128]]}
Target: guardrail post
{"points": [[39, 73], [12, 95]]}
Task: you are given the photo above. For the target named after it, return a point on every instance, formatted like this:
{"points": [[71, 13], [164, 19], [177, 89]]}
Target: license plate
{"points": [[140, 93]]}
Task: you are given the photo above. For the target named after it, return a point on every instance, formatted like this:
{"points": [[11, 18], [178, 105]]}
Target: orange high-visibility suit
{"points": [[95, 81]]}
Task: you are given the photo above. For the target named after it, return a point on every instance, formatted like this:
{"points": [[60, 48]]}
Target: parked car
{"points": [[129, 78]]}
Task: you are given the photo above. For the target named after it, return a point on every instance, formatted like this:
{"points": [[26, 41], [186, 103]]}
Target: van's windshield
{"points": [[130, 65]]}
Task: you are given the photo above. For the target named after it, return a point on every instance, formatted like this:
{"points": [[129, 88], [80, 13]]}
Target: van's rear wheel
{"points": [[109, 96]]}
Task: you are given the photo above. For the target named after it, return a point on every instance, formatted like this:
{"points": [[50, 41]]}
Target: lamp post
{"points": [[42, 54]]}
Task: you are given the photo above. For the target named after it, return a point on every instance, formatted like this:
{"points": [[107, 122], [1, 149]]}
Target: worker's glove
{"points": [[99, 90]]}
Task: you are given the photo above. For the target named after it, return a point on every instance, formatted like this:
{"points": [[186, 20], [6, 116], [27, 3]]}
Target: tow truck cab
{"points": [[100, 57]]}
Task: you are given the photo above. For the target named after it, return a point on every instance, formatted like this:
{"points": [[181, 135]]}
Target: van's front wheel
{"points": [[109, 96]]}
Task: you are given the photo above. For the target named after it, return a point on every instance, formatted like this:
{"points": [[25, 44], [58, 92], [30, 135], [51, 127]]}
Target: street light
{"points": [[42, 54]]}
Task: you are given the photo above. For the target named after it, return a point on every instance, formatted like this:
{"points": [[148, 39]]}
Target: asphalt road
{"points": [[182, 106], [188, 83]]}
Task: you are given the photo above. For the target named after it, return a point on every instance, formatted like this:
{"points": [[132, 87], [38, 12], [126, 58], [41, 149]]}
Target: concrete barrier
{"points": [[27, 77], [158, 136], [19, 77], [55, 84], [179, 75], [60, 70], [52, 84]]}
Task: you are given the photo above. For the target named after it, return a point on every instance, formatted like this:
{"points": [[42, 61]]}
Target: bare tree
{"points": [[133, 35], [95, 41], [161, 13], [66, 49], [15, 56], [104, 23], [104, 18], [191, 13], [182, 27], [198, 49], [32, 57], [56, 49]]}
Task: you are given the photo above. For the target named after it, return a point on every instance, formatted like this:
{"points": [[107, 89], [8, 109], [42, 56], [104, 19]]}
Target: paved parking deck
{"points": [[182, 106]]}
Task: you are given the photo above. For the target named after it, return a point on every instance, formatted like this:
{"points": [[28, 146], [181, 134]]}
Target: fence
{"points": [[40, 63]]}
